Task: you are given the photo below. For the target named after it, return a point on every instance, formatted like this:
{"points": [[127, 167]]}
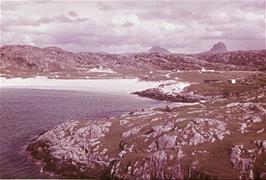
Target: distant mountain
{"points": [[219, 47], [25, 58], [158, 49]]}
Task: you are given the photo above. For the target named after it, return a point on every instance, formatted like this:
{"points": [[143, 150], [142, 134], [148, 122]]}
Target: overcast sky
{"points": [[179, 26]]}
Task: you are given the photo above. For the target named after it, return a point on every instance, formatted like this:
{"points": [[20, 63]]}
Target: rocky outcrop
{"points": [[219, 47], [72, 149], [244, 159], [155, 93], [157, 49], [245, 165]]}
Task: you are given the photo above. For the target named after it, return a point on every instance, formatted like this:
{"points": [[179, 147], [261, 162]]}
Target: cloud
{"points": [[128, 24], [62, 19], [131, 18], [180, 26], [44, 20], [103, 6], [72, 13]]}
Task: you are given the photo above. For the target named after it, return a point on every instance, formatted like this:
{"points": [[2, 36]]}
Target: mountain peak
{"points": [[218, 47], [158, 49]]}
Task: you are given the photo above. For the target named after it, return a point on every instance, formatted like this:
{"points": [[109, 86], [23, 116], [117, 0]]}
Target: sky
{"points": [[134, 26]]}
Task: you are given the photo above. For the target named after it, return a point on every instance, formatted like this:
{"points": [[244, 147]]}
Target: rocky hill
{"points": [[219, 47], [30, 58], [27, 58], [158, 49]]}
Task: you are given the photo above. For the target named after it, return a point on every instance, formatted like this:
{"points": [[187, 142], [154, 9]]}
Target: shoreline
{"points": [[172, 141]]}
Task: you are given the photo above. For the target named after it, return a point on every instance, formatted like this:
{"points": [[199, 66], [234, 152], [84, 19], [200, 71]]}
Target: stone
{"points": [[132, 131], [166, 141], [159, 129], [243, 164], [197, 139]]}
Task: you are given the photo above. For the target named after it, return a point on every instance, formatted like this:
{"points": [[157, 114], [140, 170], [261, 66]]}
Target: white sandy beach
{"points": [[95, 85]]}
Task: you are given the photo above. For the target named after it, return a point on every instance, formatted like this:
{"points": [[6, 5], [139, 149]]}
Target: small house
{"points": [[232, 81]]}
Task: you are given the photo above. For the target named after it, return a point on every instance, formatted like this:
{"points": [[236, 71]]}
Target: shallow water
{"points": [[24, 113]]}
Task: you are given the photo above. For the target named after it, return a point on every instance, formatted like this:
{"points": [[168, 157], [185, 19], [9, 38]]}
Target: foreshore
{"points": [[93, 85]]}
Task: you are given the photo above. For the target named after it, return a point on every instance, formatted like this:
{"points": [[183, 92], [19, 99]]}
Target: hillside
{"points": [[25, 58], [250, 60]]}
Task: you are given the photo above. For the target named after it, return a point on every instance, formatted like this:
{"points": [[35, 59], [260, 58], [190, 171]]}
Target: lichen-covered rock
{"points": [[197, 138], [132, 131], [69, 146], [261, 144], [196, 133], [161, 128], [166, 141], [242, 162], [163, 142]]}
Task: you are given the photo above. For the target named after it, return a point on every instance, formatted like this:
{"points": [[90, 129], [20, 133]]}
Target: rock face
{"points": [[158, 49], [219, 47], [73, 150]]}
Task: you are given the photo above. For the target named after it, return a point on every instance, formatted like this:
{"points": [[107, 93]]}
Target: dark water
{"points": [[26, 113]]}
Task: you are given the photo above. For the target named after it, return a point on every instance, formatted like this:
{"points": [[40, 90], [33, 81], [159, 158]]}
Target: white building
{"points": [[203, 70], [233, 81]]}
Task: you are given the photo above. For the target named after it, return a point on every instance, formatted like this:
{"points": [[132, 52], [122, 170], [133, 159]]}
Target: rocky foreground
{"points": [[219, 138]]}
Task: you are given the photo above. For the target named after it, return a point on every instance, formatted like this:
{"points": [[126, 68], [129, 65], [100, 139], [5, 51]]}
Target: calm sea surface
{"points": [[26, 113]]}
